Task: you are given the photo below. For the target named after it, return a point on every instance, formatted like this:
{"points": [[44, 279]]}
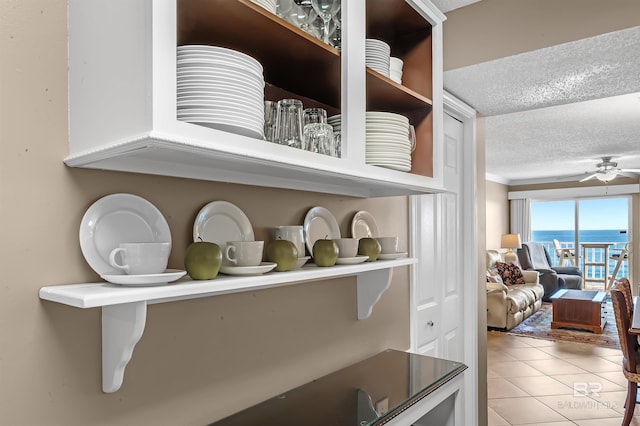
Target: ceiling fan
{"points": [[608, 170]]}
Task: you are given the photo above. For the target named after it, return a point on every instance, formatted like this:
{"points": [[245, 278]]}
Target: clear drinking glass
{"points": [[326, 9], [318, 138], [288, 129], [314, 115], [269, 120]]}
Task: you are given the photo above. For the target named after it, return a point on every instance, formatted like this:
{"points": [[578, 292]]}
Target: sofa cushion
{"points": [[510, 273], [518, 300]]}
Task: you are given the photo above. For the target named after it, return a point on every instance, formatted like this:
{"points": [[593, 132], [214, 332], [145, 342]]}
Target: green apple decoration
{"points": [[284, 253], [203, 260], [369, 247], [325, 252]]}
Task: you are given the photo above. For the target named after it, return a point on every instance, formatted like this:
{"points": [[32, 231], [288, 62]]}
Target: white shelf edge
{"points": [[124, 309], [248, 162], [93, 295]]}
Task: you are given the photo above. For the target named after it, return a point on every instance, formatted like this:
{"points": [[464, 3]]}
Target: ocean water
{"points": [[617, 237], [585, 236]]}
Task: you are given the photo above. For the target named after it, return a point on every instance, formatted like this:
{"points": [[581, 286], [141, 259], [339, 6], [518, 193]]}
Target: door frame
{"points": [[467, 115]]}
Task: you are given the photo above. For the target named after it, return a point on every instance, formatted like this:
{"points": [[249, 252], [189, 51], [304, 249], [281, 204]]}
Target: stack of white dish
{"points": [[395, 69], [377, 55], [336, 122], [270, 5], [387, 138], [220, 88]]}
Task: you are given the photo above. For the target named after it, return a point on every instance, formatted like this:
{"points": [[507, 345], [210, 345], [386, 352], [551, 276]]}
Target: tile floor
{"points": [[540, 382]]}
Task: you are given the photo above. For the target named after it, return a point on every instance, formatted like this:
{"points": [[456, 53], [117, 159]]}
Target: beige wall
{"points": [[492, 29], [481, 197], [498, 215], [198, 360]]}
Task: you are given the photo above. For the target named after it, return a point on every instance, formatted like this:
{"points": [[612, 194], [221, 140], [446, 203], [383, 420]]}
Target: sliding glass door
{"points": [[595, 229]]}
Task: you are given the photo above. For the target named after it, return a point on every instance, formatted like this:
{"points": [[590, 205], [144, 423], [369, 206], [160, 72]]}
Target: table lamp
{"points": [[510, 241]]}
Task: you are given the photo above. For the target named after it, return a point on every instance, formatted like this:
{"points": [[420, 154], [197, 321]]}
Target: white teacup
{"points": [[295, 234], [388, 245], [244, 253], [348, 247], [141, 258]]}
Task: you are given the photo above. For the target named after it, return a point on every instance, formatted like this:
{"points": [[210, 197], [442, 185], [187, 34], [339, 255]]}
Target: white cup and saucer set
{"points": [[127, 241]]}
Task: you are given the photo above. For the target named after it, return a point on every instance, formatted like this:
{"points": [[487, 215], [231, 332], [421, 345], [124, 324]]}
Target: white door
{"points": [[437, 297]]}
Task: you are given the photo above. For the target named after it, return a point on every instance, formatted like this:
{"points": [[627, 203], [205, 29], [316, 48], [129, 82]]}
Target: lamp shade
{"points": [[510, 241]]}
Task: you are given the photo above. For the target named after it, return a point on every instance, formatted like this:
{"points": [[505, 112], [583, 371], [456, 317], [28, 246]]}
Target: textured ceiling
{"points": [[554, 112]]}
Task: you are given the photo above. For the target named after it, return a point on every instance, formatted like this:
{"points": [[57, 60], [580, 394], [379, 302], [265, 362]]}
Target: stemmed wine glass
{"points": [[326, 9]]}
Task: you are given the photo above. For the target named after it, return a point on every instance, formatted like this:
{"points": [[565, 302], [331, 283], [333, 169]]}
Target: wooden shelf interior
{"points": [[409, 35], [292, 59]]}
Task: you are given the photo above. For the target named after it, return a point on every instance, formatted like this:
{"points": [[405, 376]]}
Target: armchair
{"points": [[509, 305], [534, 256]]}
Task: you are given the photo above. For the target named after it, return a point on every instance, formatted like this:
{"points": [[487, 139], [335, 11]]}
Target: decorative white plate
{"points": [[221, 221], [164, 278], [389, 256], [364, 225], [264, 267], [319, 223], [116, 219], [351, 260]]}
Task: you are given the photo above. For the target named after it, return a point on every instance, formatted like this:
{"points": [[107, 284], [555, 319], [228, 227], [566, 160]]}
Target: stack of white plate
{"points": [[388, 143], [270, 5], [395, 69], [336, 122], [377, 55], [220, 88]]}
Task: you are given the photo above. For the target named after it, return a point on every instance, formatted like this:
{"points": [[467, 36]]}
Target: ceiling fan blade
{"points": [[588, 177], [630, 170]]}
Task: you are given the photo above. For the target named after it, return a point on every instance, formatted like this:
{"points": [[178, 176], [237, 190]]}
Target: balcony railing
{"points": [[599, 260]]}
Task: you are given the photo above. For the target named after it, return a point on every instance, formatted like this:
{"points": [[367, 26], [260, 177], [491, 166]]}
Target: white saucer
{"points": [[364, 225], [145, 280], [351, 260], [248, 270], [219, 222], [389, 256], [319, 223], [302, 261]]}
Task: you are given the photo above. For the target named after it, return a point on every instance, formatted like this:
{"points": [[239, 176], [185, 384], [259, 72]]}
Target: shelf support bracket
{"points": [[371, 285], [122, 328]]}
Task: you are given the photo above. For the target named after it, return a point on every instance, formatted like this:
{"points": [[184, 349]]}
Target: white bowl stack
{"points": [[395, 69], [220, 88], [387, 140], [377, 55], [269, 5]]}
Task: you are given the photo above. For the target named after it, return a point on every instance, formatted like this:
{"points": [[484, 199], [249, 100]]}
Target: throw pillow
{"points": [[510, 273]]}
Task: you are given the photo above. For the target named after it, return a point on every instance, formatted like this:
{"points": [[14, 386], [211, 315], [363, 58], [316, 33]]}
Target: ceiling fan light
{"points": [[608, 175]]}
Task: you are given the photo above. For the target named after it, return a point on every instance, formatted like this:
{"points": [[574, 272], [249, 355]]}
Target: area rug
{"points": [[538, 326]]}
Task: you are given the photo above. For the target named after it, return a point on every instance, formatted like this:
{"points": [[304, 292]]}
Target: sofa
{"points": [[509, 305], [534, 256]]}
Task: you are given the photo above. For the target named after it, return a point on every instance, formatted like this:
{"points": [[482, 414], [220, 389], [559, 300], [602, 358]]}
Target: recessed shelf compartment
{"points": [[123, 102], [292, 59], [124, 309]]}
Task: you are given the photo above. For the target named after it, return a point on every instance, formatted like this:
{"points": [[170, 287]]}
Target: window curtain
{"points": [[521, 218]]}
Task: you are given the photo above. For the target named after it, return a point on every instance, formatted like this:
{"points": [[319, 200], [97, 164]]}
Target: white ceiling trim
{"points": [[571, 193]]}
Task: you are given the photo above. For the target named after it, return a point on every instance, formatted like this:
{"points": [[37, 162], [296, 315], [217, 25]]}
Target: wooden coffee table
{"points": [[581, 309]]}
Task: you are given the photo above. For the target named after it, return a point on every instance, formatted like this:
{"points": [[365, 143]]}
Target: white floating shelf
{"points": [[124, 309]]}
